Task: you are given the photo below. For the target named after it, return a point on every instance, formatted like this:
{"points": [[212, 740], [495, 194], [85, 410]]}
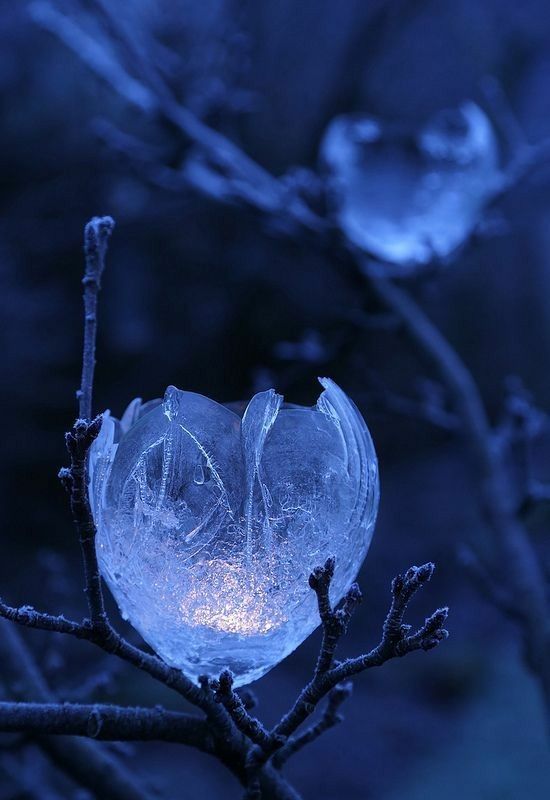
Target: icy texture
{"points": [[408, 200], [209, 524]]}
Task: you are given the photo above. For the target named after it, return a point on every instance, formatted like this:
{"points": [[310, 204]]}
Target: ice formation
{"points": [[208, 524], [409, 199]]}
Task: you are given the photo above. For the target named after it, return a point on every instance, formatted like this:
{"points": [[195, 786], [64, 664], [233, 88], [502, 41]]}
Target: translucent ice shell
{"points": [[409, 200], [208, 524]]}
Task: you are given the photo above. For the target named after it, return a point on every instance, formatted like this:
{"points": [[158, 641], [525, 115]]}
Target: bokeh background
{"points": [[211, 298]]}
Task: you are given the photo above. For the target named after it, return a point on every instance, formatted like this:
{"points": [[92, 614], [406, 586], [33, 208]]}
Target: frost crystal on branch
{"points": [[209, 524]]}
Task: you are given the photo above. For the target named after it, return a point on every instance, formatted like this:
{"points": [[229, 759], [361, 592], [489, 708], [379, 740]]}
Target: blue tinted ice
{"points": [[209, 524], [409, 200]]}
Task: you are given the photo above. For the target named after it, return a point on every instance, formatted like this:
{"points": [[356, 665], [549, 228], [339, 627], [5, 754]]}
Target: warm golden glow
{"points": [[226, 598]]}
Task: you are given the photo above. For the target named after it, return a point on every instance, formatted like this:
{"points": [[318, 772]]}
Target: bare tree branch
{"points": [[79, 441], [329, 719], [106, 723], [248, 725], [242, 177], [515, 562], [96, 236], [85, 762], [334, 621], [111, 642], [396, 641]]}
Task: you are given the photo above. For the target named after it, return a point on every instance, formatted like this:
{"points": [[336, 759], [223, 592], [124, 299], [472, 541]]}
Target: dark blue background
{"points": [[200, 295]]}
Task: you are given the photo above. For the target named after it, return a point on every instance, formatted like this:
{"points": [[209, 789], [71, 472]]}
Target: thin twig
{"points": [[79, 441], [329, 719], [96, 238], [334, 621], [235, 707], [396, 641]]}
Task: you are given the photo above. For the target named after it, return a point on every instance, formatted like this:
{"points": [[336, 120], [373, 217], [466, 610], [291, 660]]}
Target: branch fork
{"points": [[331, 679], [225, 728]]}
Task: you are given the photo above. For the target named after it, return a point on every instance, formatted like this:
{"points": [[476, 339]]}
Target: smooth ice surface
{"points": [[209, 524], [409, 199]]}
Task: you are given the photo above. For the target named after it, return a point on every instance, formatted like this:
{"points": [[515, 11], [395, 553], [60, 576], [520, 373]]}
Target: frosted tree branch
{"points": [[78, 441], [331, 717], [85, 762], [96, 238], [397, 640], [232, 702], [106, 723], [226, 173], [241, 177], [211, 735], [514, 570], [227, 730], [105, 637], [334, 621]]}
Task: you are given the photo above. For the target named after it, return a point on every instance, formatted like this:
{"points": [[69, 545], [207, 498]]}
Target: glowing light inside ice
{"points": [[208, 524], [237, 601]]}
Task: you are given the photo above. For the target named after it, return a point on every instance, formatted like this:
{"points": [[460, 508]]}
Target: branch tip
{"points": [[322, 576], [96, 237]]}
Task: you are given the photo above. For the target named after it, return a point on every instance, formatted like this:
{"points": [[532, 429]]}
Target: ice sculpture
{"points": [[208, 524], [409, 199]]}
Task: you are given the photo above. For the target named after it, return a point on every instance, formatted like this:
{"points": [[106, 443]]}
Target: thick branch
{"points": [[84, 761], [105, 722]]}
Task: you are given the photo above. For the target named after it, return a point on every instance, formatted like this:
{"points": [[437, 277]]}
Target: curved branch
{"points": [[517, 571]]}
